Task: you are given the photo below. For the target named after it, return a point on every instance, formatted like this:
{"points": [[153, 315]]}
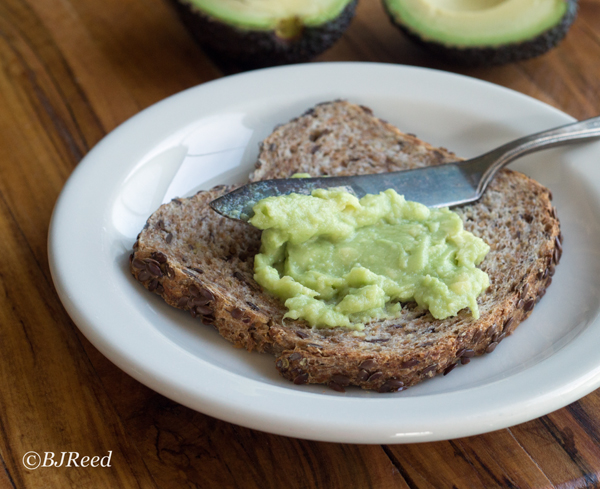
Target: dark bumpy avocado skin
{"points": [[256, 49], [499, 55]]}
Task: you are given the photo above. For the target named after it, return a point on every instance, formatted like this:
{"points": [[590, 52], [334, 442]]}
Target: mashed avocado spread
{"points": [[336, 260]]}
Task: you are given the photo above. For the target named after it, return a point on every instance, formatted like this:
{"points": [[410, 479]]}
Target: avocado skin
{"points": [[256, 48], [498, 55]]}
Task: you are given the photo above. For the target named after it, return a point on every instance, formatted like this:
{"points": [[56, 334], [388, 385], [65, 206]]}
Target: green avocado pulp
{"points": [[477, 23], [339, 261], [271, 14]]}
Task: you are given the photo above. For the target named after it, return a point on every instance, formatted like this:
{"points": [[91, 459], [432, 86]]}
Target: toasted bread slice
{"points": [[203, 263]]}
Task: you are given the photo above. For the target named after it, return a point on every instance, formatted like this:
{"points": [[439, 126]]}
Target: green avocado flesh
{"points": [[271, 14], [476, 23], [336, 260]]}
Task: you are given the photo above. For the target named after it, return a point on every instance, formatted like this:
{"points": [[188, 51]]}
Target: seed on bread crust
{"points": [[237, 313], [154, 269], [209, 319], [391, 385], [205, 311], [282, 364], [363, 375], [374, 377], [465, 352], [368, 365], [409, 363], [144, 275], [341, 380], [450, 368], [159, 257], [498, 337], [557, 255], [301, 379], [197, 301], [428, 370]]}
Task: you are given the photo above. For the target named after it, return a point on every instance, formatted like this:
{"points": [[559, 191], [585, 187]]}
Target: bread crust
{"points": [[201, 262]]}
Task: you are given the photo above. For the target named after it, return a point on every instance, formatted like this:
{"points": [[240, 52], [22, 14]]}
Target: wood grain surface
{"points": [[70, 72]]}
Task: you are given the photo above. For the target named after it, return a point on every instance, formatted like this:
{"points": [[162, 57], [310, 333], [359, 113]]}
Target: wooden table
{"points": [[72, 70]]}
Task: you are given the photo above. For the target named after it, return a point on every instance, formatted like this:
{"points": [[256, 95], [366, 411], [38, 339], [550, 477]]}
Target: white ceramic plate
{"points": [[210, 134]]}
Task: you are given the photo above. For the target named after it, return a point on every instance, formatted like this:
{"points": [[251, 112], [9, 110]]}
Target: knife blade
{"points": [[444, 185]]}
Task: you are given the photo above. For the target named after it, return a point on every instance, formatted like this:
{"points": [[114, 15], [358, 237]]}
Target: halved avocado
{"points": [[484, 32], [258, 33]]}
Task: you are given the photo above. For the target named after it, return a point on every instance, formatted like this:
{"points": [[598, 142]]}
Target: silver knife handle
{"points": [[493, 161]]}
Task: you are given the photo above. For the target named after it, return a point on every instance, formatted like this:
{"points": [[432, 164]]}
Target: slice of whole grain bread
{"points": [[203, 263]]}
